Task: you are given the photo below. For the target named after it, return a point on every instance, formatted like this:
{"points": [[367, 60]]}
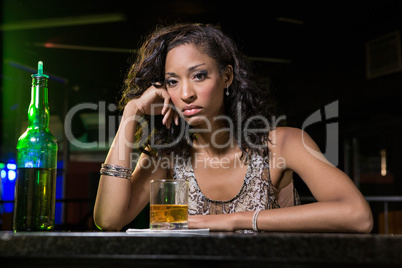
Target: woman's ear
{"points": [[228, 75]]}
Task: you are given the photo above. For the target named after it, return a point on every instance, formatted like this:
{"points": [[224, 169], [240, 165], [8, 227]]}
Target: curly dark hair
{"points": [[246, 99]]}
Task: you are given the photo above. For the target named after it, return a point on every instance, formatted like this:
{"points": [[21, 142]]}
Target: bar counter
{"points": [[120, 249]]}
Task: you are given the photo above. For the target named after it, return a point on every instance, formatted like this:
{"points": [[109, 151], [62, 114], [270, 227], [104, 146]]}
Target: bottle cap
{"points": [[40, 71]]}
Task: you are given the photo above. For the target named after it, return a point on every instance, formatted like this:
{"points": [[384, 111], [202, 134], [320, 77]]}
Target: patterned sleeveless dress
{"points": [[257, 191]]}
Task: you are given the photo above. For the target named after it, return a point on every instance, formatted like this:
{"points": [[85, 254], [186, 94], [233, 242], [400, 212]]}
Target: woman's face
{"points": [[195, 84]]}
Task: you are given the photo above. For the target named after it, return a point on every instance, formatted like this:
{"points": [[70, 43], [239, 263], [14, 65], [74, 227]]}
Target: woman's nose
{"points": [[187, 93]]}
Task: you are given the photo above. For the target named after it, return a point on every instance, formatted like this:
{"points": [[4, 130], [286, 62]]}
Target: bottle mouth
{"points": [[39, 80]]}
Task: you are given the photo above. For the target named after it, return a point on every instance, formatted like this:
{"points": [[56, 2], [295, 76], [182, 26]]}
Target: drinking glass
{"points": [[169, 204]]}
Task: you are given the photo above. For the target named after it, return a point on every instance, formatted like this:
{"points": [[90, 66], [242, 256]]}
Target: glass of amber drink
{"points": [[169, 204]]}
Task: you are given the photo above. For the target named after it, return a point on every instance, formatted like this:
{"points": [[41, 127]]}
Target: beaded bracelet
{"points": [[255, 229], [116, 171]]}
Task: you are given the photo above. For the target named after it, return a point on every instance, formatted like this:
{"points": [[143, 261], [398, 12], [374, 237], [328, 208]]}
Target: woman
{"points": [[192, 107]]}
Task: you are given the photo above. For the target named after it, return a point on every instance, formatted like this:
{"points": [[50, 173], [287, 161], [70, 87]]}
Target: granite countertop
{"points": [[109, 249]]}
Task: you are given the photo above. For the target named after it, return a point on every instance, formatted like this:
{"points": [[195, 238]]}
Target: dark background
{"points": [[312, 54]]}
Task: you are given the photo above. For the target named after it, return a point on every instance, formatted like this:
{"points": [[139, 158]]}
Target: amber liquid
{"points": [[35, 199], [168, 216]]}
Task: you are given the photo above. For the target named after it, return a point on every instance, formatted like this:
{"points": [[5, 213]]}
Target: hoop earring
{"points": [[227, 90]]}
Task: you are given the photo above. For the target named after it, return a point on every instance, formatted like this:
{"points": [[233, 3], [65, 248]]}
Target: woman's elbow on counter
{"points": [[366, 224], [106, 224], [362, 218]]}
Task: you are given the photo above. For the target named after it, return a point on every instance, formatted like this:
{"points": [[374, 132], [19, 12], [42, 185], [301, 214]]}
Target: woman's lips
{"points": [[190, 110]]}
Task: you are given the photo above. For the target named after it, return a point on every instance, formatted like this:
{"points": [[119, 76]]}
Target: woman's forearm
{"points": [[112, 201], [123, 143], [331, 216]]}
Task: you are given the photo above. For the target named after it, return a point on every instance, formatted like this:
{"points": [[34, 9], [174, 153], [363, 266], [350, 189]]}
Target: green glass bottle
{"points": [[35, 188]]}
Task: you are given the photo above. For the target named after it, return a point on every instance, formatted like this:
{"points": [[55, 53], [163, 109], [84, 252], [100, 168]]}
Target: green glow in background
{"points": [[19, 62], [15, 86], [28, 29]]}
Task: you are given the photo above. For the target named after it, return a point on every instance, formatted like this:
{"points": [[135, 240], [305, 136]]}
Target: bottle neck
{"points": [[38, 111]]}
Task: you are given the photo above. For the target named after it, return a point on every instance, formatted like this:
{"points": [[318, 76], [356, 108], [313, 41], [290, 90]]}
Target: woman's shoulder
{"points": [[281, 135], [284, 139], [289, 142]]}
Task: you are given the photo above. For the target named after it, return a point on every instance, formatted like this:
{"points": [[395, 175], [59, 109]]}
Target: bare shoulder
{"points": [[297, 148], [293, 144], [283, 137]]}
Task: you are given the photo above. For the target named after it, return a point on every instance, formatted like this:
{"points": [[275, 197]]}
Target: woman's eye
{"points": [[171, 82], [200, 75]]}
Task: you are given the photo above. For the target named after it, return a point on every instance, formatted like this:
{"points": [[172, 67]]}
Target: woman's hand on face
{"points": [[156, 101]]}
